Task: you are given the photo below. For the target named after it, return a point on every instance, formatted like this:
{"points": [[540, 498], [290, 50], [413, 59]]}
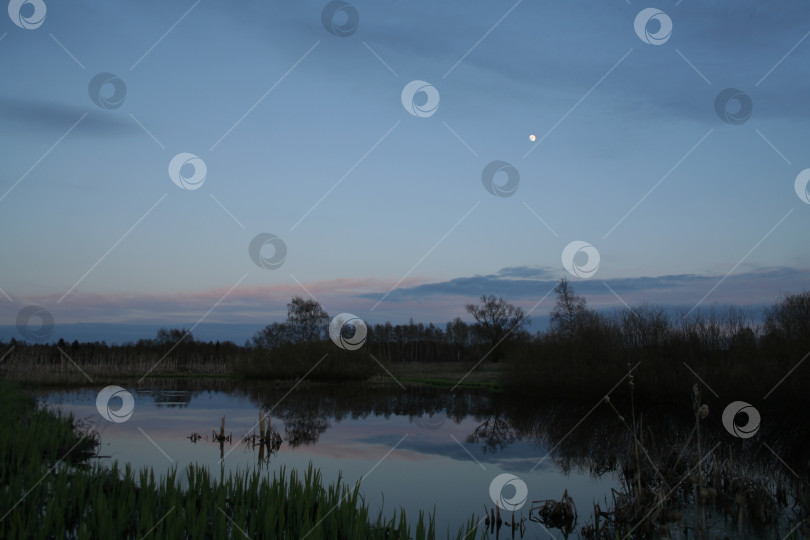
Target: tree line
{"points": [[732, 345], [497, 323], [498, 326]]}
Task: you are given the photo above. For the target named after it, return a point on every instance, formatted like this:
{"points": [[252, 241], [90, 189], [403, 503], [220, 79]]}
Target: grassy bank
{"points": [[48, 492], [487, 375], [49, 365]]}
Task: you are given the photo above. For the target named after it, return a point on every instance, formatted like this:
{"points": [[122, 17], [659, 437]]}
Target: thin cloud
{"points": [[55, 117], [526, 283]]}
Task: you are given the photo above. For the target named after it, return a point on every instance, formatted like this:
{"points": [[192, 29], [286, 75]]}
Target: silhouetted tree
{"points": [[307, 321], [271, 336], [457, 334], [171, 336], [789, 317], [568, 315], [644, 326], [497, 321]]}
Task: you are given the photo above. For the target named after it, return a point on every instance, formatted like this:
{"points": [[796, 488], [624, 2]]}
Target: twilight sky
{"points": [[304, 135]]}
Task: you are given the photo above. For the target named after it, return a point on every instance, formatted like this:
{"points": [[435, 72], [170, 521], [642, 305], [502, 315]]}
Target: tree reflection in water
{"points": [[303, 428], [496, 433], [758, 486]]}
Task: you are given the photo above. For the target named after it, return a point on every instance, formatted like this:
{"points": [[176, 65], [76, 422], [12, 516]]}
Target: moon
{"points": [[532, 137]]}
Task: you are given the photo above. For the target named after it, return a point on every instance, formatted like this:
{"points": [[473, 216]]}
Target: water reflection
{"points": [[552, 514], [267, 440], [680, 471], [583, 438], [303, 428], [494, 434], [166, 397], [646, 459]]}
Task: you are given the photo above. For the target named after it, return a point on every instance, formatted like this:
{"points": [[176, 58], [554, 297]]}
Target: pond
{"points": [[416, 449]]}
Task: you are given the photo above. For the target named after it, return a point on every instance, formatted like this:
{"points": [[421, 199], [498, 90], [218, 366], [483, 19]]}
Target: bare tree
{"points": [[457, 333], [497, 321], [172, 336], [644, 326], [789, 317], [568, 315], [271, 336]]}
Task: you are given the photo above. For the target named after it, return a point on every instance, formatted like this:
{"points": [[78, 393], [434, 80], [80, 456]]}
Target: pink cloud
{"points": [[242, 305]]}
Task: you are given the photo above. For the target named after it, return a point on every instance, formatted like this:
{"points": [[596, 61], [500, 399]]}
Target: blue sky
{"points": [[630, 157]]}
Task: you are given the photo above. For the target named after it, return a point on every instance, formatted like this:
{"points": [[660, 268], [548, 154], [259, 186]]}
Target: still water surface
{"points": [[403, 446], [416, 449]]}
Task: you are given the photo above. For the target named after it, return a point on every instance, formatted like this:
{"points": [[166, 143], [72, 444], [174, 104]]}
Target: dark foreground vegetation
{"points": [[681, 475], [735, 350], [48, 491]]}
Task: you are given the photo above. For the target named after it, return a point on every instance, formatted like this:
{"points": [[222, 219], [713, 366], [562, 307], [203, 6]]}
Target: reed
{"points": [[682, 489]]}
